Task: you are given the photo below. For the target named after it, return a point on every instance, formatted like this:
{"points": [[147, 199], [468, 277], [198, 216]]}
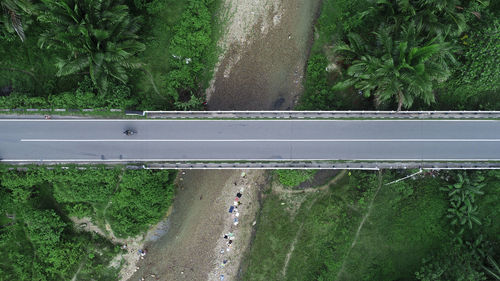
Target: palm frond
{"points": [[66, 67]]}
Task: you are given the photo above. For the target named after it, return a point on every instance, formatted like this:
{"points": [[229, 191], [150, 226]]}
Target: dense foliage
{"points": [[12, 16], [142, 200], [39, 240], [475, 83], [85, 96], [292, 178], [137, 54], [413, 54], [95, 36]]}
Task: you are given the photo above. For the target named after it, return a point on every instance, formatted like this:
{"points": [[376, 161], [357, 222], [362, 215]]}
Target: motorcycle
{"points": [[129, 132]]}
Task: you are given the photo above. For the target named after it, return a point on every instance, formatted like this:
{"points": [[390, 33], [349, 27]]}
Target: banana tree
{"points": [[462, 200]]}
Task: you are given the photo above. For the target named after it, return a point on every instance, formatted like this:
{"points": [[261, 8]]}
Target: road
{"points": [[277, 140]]}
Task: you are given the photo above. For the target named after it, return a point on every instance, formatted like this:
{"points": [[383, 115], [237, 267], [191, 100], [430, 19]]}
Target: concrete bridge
{"points": [[324, 140]]}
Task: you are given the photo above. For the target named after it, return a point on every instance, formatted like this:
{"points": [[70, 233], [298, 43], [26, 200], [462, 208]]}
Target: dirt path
{"points": [[190, 249], [266, 48], [278, 188], [365, 217], [281, 189]]}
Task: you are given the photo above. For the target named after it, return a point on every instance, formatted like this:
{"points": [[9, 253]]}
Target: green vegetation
{"points": [[136, 54], [38, 237], [363, 228], [98, 36], [179, 55], [11, 18], [142, 200], [404, 54], [292, 178], [475, 83]]}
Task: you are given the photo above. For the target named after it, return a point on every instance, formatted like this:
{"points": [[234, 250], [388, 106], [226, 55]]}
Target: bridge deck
{"points": [[277, 140]]}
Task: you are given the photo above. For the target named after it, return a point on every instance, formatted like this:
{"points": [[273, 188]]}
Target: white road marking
{"points": [[262, 140], [210, 161]]}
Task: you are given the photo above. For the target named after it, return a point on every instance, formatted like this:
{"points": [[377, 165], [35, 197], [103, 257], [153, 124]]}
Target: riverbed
{"points": [[266, 70]]}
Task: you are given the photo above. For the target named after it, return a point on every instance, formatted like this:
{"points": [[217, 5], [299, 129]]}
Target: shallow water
{"points": [[270, 72]]}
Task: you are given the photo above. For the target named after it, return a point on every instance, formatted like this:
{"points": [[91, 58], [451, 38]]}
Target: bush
{"points": [[189, 48], [37, 237], [293, 178], [476, 82], [85, 96], [317, 94], [55, 254], [87, 186], [143, 198]]}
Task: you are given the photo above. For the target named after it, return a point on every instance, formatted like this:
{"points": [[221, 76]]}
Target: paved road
{"points": [[84, 140]]}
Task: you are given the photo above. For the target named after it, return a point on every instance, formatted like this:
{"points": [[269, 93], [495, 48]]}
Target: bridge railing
{"points": [[323, 114], [320, 165]]}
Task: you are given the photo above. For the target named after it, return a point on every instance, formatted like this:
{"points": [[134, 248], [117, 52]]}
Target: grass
{"points": [[399, 234], [272, 242], [405, 224]]}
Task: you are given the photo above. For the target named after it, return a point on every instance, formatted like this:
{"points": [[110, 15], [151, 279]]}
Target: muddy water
{"points": [[185, 251], [271, 67]]}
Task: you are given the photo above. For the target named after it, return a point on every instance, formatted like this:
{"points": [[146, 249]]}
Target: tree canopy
{"points": [[96, 36]]}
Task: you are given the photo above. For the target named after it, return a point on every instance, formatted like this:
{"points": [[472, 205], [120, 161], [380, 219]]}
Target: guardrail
{"points": [[375, 165], [321, 165], [323, 114]]}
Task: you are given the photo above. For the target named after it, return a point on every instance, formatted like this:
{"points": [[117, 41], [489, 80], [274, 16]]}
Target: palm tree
{"points": [[495, 270], [11, 16], [440, 15], [356, 48], [96, 35], [403, 69]]}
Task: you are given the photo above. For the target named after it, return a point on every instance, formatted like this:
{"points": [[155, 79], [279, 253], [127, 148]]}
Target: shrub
{"points": [[117, 96], [189, 48], [293, 178], [476, 81], [142, 199]]}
